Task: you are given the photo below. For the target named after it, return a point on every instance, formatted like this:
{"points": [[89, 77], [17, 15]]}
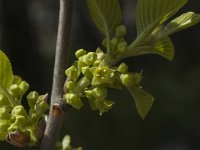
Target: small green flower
{"points": [[103, 75]]}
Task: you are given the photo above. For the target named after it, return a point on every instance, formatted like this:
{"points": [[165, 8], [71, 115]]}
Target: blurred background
{"points": [[28, 31]]}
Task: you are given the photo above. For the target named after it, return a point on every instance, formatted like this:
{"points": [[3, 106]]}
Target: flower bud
{"points": [[19, 110], [32, 98], [70, 85], [41, 107], [99, 92], [17, 80], [23, 86], [127, 79], [122, 47], [90, 58], [114, 43], [19, 124], [123, 68], [4, 100], [72, 73], [100, 54], [87, 72], [15, 90], [3, 129], [80, 53], [120, 31], [73, 100], [97, 63], [4, 113]]}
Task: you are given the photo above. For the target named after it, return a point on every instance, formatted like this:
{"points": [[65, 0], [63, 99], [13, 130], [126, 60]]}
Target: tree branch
{"points": [[56, 114]]}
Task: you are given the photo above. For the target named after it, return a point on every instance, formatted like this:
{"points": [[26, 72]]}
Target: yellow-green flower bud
{"points": [[23, 86], [4, 113], [19, 124], [97, 63], [122, 47], [99, 92], [70, 85], [74, 100], [4, 100], [122, 68], [80, 53], [127, 79], [17, 80], [90, 58], [72, 73], [32, 98], [15, 90], [87, 72], [100, 54], [120, 31], [41, 107], [19, 110], [3, 129], [114, 43]]}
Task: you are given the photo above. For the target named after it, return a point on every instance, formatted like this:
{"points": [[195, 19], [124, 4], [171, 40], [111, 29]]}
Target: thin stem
{"points": [[55, 121]]}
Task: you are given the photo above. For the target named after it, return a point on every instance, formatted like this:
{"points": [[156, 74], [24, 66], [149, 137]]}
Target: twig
{"points": [[55, 116]]}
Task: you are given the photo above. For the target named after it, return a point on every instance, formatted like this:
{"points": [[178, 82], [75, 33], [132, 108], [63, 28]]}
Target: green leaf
{"points": [[143, 100], [152, 13], [6, 74], [186, 20], [163, 47], [106, 14]]}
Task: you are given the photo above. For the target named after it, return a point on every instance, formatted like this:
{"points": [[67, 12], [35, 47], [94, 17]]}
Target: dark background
{"points": [[28, 35]]}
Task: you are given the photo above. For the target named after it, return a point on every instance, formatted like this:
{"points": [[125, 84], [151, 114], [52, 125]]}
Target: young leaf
{"points": [[6, 74], [106, 14], [186, 20], [163, 47], [152, 13], [143, 100]]}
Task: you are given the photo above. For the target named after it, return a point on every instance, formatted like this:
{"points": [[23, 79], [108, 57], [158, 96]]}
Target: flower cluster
{"points": [[90, 77], [20, 125]]}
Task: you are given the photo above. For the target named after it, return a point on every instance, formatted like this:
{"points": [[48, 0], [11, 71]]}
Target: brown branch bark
{"points": [[56, 114]]}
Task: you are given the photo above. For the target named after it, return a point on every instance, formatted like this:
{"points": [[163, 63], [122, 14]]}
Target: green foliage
{"points": [[105, 14], [6, 75], [17, 125], [152, 13], [184, 21], [94, 72]]}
